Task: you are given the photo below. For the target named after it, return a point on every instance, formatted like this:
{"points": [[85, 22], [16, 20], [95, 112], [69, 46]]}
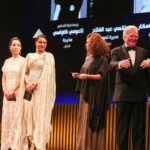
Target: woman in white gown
{"points": [[11, 70], [38, 82]]}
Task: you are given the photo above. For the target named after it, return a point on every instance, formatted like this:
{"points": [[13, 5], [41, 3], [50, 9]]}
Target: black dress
{"points": [[94, 103]]}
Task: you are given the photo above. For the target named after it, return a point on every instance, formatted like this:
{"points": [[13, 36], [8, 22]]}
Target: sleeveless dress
{"points": [[11, 68], [35, 64]]}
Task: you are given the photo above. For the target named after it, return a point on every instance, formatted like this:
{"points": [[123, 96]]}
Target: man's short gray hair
{"points": [[128, 28]]}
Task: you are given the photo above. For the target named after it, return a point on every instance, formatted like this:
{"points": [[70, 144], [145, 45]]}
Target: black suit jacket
{"points": [[132, 84]]}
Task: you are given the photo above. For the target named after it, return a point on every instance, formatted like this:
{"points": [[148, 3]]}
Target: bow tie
{"points": [[130, 48]]}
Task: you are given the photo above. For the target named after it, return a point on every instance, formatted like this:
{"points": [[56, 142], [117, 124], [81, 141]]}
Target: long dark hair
{"points": [[40, 36]]}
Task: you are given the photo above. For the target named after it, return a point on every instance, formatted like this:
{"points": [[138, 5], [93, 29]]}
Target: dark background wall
{"points": [[9, 27], [23, 17]]}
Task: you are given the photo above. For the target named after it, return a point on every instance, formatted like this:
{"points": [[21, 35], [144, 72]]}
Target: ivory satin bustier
{"points": [[35, 65]]}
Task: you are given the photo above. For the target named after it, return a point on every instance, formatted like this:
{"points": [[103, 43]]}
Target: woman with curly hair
{"points": [[93, 88]]}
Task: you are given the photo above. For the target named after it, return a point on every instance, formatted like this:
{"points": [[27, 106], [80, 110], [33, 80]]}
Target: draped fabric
{"points": [[34, 117], [96, 92]]}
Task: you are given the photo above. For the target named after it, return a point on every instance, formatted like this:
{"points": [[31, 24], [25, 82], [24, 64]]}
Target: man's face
{"points": [[131, 38]]}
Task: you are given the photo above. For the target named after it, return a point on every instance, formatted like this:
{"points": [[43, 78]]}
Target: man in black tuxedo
{"points": [[131, 88]]}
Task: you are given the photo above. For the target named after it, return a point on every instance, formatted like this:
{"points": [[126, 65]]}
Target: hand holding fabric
{"points": [[75, 74]]}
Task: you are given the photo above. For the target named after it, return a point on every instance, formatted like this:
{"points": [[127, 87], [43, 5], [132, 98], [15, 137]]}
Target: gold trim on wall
{"points": [[64, 123]]}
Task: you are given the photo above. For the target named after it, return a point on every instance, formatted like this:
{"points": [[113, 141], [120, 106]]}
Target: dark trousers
{"points": [[134, 114]]}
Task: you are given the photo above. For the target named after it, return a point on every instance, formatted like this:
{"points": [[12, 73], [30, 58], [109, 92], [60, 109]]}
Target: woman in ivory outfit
{"points": [[37, 96], [11, 70]]}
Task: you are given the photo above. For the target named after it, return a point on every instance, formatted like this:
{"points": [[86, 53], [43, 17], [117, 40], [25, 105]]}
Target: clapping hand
{"points": [[125, 63], [145, 63]]}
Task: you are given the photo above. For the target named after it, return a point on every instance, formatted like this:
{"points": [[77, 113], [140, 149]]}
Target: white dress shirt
{"points": [[132, 55]]}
